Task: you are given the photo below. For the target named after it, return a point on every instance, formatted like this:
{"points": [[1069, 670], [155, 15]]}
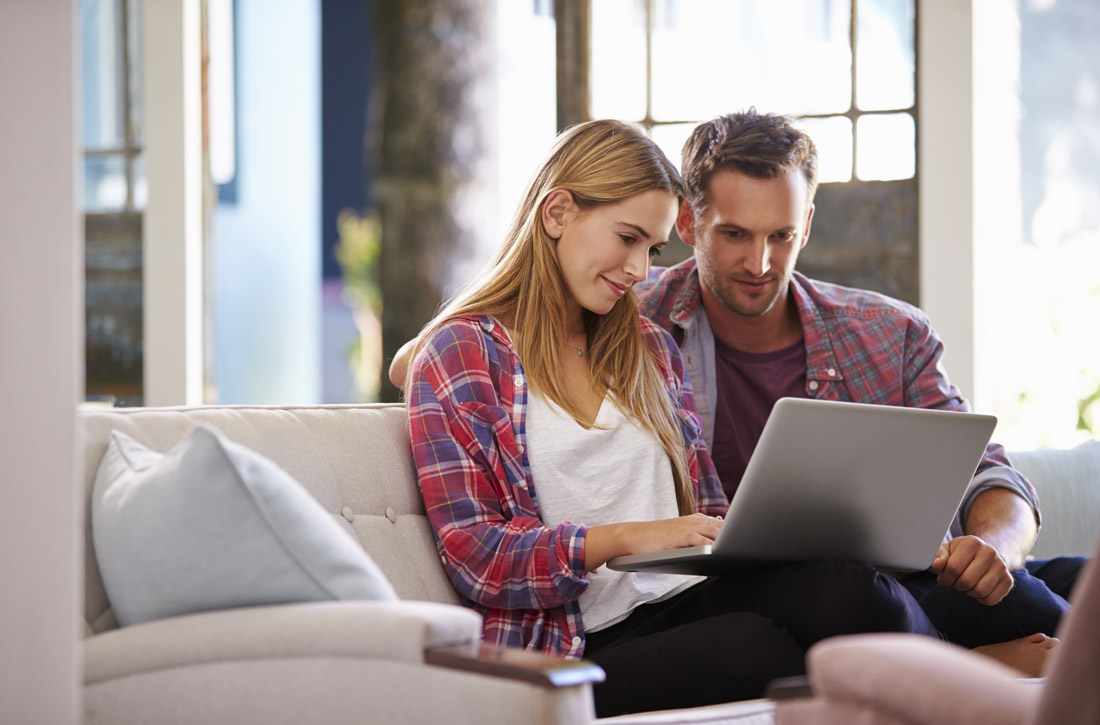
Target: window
{"points": [[114, 178], [846, 68], [114, 198]]}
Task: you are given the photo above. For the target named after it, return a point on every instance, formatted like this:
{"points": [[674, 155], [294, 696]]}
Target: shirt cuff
{"points": [[995, 477]]}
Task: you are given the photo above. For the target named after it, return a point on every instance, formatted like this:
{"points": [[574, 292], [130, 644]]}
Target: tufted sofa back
{"points": [[354, 459]]}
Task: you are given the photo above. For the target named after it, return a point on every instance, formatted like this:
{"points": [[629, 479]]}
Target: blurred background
{"points": [[357, 160]]}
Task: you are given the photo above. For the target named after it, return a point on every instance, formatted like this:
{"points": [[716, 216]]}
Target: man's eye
{"points": [[654, 252], [733, 233], [784, 236]]}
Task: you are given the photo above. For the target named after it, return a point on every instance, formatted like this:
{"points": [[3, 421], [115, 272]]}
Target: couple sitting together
{"points": [[565, 409]]}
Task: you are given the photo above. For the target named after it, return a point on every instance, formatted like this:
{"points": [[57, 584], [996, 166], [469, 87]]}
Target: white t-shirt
{"points": [[611, 473]]}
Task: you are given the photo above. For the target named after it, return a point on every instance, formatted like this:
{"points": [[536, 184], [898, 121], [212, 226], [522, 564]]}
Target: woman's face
{"points": [[606, 250]]}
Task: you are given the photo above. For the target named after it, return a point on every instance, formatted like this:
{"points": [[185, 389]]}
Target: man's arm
{"points": [[1000, 530], [1003, 519], [399, 368]]}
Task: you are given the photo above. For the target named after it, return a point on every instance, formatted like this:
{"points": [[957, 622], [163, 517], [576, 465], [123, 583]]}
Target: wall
{"points": [[268, 244], [41, 368]]}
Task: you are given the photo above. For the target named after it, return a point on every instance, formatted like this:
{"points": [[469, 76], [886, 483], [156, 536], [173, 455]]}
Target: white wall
{"points": [[946, 176], [268, 260], [41, 368]]}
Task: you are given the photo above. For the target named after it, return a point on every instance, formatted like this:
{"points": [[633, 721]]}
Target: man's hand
{"points": [[971, 565]]}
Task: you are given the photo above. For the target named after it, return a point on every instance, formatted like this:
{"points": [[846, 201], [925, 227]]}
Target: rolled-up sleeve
{"points": [[927, 386]]}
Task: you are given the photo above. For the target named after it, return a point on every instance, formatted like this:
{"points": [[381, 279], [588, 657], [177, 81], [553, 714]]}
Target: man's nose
{"points": [[758, 261]]}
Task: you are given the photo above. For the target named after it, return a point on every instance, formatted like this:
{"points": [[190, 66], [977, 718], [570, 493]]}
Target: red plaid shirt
{"points": [[467, 407], [860, 346]]}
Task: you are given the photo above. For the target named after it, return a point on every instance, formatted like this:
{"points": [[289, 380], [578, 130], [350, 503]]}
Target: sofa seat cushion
{"points": [[211, 525]]}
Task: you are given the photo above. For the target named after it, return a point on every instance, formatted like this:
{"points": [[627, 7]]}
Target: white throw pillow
{"points": [[210, 525]]}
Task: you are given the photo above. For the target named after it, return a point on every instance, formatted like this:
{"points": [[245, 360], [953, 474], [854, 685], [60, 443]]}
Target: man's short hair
{"points": [[760, 145]]}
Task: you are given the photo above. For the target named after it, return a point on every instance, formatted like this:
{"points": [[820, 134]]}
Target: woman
{"points": [[553, 429]]}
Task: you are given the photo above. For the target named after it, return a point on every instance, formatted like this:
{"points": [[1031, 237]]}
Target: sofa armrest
{"points": [[911, 679], [517, 664], [382, 630]]}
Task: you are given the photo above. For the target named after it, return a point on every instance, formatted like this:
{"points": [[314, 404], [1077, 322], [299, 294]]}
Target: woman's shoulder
{"points": [[466, 340]]}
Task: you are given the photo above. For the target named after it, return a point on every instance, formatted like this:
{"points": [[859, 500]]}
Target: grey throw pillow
{"points": [[210, 525]]}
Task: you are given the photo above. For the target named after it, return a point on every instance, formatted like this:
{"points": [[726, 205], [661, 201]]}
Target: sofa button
{"points": [[348, 514], [391, 515]]}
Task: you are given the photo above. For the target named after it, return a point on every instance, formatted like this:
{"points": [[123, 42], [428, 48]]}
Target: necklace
{"points": [[580, 351]]}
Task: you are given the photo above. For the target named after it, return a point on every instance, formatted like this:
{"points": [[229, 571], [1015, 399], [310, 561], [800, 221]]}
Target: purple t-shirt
{"points": [[748, 385]]}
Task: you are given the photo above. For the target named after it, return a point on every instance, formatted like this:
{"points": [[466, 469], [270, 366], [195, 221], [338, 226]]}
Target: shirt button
{"points": [[518, 380], [444, 560], [832, 373], [812, 385], [576, 641], [521, 449]]}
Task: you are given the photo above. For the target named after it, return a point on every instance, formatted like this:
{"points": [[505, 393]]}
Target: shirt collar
{"points": [[689, 297]]}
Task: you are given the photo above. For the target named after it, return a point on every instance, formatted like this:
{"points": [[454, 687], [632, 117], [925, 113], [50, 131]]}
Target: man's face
{"points": [[747, 237]]}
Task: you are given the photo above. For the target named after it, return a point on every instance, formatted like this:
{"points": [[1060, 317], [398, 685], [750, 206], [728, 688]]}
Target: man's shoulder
{"points": [[658, 294], [666, 281], [836, 301]]}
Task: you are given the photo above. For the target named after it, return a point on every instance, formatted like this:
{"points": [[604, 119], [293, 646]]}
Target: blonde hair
{"points": [[599, 162]]}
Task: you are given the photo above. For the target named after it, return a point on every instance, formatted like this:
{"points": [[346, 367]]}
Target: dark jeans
{"points": [[1035, 604], [727, 637]]}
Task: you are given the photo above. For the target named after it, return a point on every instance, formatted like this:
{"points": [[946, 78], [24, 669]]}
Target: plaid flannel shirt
{"points": [[467, 409], [860, 346]]}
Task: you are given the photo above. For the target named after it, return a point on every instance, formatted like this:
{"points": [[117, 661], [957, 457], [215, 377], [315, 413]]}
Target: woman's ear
{"points": [[556, 212]]}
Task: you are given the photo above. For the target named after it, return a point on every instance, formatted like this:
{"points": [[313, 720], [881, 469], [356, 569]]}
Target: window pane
{"points": [[884, 57], [136, 34], [714, 56], [833, 138], [141, 185], [618, 59], [103, 76], [886, 147], [105, 183]]}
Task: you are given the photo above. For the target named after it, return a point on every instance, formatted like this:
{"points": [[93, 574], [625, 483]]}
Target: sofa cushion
{"points": [[1068, 484], [211, 524]]}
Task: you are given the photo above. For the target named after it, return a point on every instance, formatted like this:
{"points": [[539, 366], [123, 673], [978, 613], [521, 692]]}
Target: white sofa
{"points": [[416, 660]]}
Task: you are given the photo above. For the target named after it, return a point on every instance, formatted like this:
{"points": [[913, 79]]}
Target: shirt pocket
{"points": [[492, 440]]}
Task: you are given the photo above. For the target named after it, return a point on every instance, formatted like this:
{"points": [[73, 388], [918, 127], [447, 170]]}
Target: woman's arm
{"points": [[471, 475], [642, 537]]}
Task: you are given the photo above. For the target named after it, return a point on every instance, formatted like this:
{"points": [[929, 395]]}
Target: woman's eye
{"points": [[627, 239]]}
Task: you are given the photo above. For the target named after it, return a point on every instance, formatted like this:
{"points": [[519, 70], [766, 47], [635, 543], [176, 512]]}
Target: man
{"points": [[753, 330]]}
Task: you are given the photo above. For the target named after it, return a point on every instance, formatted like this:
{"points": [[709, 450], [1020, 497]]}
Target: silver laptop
{"points": [[831, 480]]}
